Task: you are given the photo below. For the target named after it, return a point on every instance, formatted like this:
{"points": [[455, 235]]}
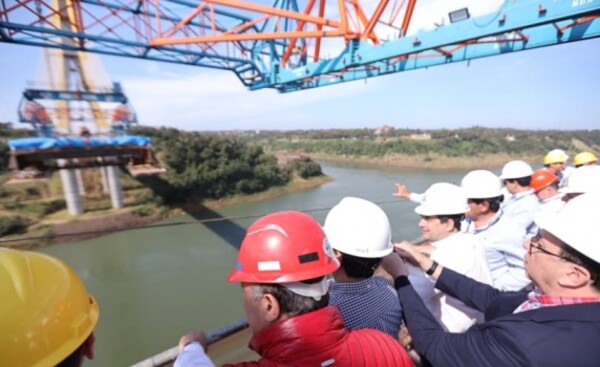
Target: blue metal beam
{"points": [[521, 27], [516, 26], [67, 95]]}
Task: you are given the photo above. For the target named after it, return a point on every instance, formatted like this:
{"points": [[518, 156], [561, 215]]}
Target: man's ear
{"points": [[449, 225], [576, 277], [88, 346], [337, 255], [484, 206], [270, 308]]}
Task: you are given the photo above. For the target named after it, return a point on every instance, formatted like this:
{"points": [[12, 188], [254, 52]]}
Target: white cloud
{"points": [[208, 100]]}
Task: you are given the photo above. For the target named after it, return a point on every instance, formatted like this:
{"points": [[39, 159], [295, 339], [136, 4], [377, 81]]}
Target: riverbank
{"points": [[431, 161], [50, 232]]}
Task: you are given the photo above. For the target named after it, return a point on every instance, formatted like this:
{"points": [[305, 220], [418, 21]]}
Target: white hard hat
{"points": [[584, 179], [576, 224], [481, 184], [359, 228], [515, 169], [443, 199]]}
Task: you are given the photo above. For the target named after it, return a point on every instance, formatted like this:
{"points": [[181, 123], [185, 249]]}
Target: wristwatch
{"points": [[432, 268]]}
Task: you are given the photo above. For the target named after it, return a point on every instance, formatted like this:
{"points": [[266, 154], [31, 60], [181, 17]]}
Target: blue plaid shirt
{"points": [[372, 303]]}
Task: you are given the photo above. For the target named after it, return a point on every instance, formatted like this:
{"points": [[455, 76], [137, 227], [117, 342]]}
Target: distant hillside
{"points": [[428, 145]]}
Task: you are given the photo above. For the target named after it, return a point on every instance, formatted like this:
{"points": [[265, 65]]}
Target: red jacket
{"points": [[319, 338]]}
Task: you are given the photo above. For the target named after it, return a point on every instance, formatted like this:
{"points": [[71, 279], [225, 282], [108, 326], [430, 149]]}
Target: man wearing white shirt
{"points": [[501, 237], [521, 203], [441, 211]]}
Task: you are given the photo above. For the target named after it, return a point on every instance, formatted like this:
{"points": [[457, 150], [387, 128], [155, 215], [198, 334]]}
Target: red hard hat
{"points": [[284, 247], [541, 179]]}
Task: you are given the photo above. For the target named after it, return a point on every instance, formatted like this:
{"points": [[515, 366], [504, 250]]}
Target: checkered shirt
{"points": [[371, 303], [535, 299]]}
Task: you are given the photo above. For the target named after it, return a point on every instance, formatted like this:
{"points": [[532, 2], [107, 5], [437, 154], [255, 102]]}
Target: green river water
{"points": [[153, 285]]}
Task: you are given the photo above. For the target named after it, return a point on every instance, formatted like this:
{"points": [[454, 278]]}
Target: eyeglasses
{"points": [[534, 243], [508, 181]]}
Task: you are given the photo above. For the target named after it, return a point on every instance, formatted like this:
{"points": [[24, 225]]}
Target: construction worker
{"points": [[585, 159], [545, 185], [556, 324], [585, 179], [47, 316], [360, 235], [500, 235], [521, 203], [556, 162], [442, 211], [282, 266]]}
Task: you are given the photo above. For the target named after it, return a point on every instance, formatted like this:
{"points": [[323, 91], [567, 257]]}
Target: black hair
{"points": [[292, 304], [494, 202], [456, 219], [75, 359], [523, 181], [359, 267]]}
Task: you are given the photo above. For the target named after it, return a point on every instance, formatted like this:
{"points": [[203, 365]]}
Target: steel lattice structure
{"points": [[291, 45]]}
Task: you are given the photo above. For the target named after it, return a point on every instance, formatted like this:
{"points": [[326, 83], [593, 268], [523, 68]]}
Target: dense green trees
{"points": [[219, 164], [4, 156], [202, 165], [470, 142], [7, 132]]}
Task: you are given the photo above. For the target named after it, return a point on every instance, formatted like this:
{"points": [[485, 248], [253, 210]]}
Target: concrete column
{"points": [[114, 184], [70, 189], [80, 184], [104, 177]]}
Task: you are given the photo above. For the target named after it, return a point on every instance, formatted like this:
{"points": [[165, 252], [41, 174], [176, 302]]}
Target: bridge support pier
{"points": [[104, 178], [80, 184], [71, 189], [114, 185]]}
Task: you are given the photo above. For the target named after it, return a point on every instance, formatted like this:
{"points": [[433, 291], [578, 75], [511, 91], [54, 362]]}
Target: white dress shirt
{"points": [[462, 253], [521, 207], [552, 204], [502, 238]]}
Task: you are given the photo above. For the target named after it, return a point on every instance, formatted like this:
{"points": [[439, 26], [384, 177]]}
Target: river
{"points": [[153, 285]]}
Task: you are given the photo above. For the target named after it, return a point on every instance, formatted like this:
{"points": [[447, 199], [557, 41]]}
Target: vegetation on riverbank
{"points": [[31, 231], [208, 170], [203, 171], [431, 161], [431, 149]]}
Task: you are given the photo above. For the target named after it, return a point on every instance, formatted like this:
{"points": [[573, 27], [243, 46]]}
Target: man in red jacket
{"points": [[282, 266]]}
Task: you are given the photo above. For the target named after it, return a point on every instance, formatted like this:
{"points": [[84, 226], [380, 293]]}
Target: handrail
{"points": [[168, 356]]}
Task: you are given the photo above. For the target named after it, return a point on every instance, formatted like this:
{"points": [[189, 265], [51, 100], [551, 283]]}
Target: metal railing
{"points": [[168, 356]]}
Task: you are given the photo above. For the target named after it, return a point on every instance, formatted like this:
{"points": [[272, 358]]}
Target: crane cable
{"points": [[173, 224]]}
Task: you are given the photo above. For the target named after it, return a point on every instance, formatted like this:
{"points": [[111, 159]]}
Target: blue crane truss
{"points": [[279, 45]]}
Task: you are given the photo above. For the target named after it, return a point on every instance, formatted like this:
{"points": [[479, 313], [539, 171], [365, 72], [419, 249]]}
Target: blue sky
{"points": [[556, 87]]}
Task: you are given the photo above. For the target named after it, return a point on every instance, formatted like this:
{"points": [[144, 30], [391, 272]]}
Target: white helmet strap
{"points": [[314, 290]]}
